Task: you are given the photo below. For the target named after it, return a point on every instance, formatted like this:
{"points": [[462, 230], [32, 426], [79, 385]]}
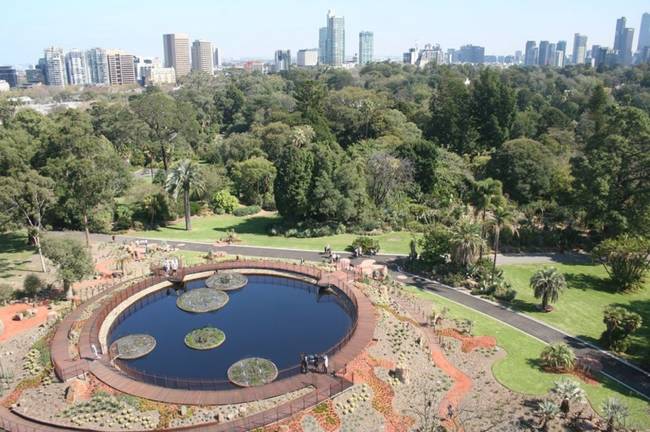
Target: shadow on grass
{"points": [[524, 306], [586, 282], [639, 350], [259, 225]]}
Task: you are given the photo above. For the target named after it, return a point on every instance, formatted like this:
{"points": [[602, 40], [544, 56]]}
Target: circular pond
{"points": [[272, 317]]}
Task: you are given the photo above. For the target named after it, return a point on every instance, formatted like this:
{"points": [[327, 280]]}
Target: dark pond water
{"points": [[271, 317]]}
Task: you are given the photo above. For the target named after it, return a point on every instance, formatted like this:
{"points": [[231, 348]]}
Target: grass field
{"points": [[15, 254], [517, 370], [579, 310], [254, 230]]}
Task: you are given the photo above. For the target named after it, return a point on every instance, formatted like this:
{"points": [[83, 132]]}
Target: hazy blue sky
{"points": [[255, 28]]}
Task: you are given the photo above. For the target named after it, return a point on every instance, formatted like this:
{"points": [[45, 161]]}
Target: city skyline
{"points": [[229, 27]]}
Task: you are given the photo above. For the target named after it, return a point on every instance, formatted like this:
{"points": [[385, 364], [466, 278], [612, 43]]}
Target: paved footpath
{"points": [[614, 367]]}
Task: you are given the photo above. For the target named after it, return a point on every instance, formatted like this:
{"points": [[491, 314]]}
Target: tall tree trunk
{"points": [[496, 250], [480, 249], [188, 218], [67, 287], [86, 229], [545, 301], [164, 158], [37, 240]]}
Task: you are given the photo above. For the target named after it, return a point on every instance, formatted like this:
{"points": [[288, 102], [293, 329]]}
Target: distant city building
{"points": [[644, 33], [307, 57], [54, 67], [335, 37], [121, 68], [97, 64], [560, 54], [430, 54], [530, 58], [543, 53], [9, 75], [255, 66], [519, 57], [471, 54], [202, 56], [451, 56], [322, 45], [410, 57], [216, 58], [143, 65], [176, 47], [366, 47], [159, 75], [623, 39], [75, 68], [34, 75], [282, 61], [579, 49]]}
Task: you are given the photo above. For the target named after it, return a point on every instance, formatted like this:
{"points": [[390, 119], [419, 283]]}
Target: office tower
{"points": [[519, 57], [366, 42], [144, 64], [451, 56], [8, 74], [410, 57], [430, 54], [34, 75], [177, 53], [158, 75], [543, 53], [530, 56], [560, 53], [644, 33], [322, 45], [623, 42], [55, 67], [216, 58], [618, 36], [97, 65], [335, 51], [202, 59], [75, 68], [282, 60], [552, 55], [307, 57], [121, 68], [472, 54], [579, 48]]}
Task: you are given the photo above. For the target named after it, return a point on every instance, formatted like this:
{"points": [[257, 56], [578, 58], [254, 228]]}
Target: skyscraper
{"points": [[618, 36], [282, 60], [97, 64], [55, 66], [644, 32], [366, 47], [335, 52], [471, 54], [530, 57], [177, 52], [579, 48], [75, 67], [543, 53], [216, 58], [307, 57], [623, 42], [121, 68], [8, 74], [560, 53], [322, 45], [202, 59]]}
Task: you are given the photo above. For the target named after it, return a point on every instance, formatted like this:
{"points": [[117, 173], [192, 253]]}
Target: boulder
{"points": [[52, 317], [77, 390]]}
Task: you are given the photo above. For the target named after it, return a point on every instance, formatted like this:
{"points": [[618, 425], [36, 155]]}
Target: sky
{"points": [[256, 28]]}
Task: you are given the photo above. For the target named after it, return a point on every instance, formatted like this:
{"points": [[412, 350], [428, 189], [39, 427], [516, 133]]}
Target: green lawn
{"points": [[579, 310], [15, 253], [517, 370], [254, 230]]}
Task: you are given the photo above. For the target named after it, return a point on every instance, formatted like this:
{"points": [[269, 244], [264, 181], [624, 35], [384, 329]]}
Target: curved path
{"points": [[614, 367]]}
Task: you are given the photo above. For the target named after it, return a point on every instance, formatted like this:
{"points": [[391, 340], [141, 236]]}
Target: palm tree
{"points": [[558, 357], [186, 177], [547, 283], [615, 413], [568, 391], [547, 410], [503, 217], [466, 242], [485, 195]]}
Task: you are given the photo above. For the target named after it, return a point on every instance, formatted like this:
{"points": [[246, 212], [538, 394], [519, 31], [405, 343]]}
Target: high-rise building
{"points": [[97, 65], [518, 57], [34, 75], [8, 74], [366, 47], [177, 53], [322, 45], [282, 60], [430, 54], [202, 56], [335, 50], [121, 68], [144, 64], [623, 42], [75, 68], [471, 54], [530, 56], [216, 58], [543, 53], [410, 57], [55, 67], [644, 33], [579, 49], [307, 57], [618, 36]]}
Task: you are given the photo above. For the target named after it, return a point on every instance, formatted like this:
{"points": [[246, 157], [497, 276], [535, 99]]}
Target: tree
{"points": [[465, 243], [485, 195], [186, 178], [492, 108], [292, 183], [503, 217], [547, 284], [625, 259], [387, 175], [568, 391], [72, 259], [558, 357], [547, 410], [253, 179], [25, 196], [620, 323], [615, 413]]}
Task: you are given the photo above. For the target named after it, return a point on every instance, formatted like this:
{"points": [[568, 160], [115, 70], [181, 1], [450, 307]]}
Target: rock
{"points": [[183, 410], [77, 390], [52, 317], [400, 374]]}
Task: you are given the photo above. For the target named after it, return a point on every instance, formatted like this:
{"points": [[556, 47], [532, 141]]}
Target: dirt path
{"points": [[13, 328]]}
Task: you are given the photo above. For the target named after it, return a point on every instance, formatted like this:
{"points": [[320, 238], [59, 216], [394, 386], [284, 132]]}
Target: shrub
{"points": [[367, 244], [101, 220], [32, 285], [195, 208], [247, 211], [620, 324], [6, 292], [123, 218], [558, 357], [625, 259], [223, 202]]}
